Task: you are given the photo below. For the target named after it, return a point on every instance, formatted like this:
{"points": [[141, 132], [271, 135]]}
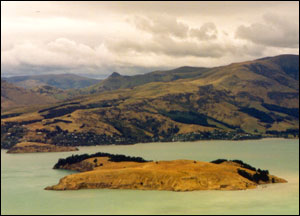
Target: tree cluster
{"points": [[112, 157]]}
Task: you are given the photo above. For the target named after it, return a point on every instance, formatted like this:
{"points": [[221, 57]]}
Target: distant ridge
{"points": [[117, 81], [115, 74], [62, 81]]}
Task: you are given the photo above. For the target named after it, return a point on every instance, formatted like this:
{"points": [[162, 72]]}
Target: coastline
{"points": [[192, 141], [35, 147]]}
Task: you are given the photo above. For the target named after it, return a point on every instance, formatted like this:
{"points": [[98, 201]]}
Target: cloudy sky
{"points": [[97, 38]]}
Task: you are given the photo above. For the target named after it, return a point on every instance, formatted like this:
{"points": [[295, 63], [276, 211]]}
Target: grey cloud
{"points": [[169, 26], [190, 48], [60, 52], [274, 31], [208, 31], [162, 25], [96, 37], [167, 46]]}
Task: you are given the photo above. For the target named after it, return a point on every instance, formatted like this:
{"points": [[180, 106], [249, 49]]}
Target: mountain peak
{"points": [[115, 74]]}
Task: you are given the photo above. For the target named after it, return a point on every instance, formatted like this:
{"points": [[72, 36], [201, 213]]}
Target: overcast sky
{"points": [[97, 38]]}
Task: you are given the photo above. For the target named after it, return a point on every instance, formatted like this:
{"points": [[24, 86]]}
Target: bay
{"points": [[24, 177]]}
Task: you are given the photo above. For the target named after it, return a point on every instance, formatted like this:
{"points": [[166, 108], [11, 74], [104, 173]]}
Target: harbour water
{"points": [[24, 177]]}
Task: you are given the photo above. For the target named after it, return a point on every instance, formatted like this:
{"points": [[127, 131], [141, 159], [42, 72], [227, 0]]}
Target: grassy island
{"points": [[103, 170]]}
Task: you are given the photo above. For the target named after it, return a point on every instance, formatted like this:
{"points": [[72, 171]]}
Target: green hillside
{"points": [[244, 100]]}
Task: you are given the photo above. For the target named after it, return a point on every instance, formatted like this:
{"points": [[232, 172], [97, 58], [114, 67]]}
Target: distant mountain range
{"points": [[61, 81], [117, 81], [239, 101]]}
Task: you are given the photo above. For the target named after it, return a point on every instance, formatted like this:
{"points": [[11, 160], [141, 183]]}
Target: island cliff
{"points": [[177, 175], [31, 147]]}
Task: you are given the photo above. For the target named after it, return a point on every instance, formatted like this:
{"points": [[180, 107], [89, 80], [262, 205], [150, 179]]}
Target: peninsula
{"points": [[103, 170], [31, 147]]}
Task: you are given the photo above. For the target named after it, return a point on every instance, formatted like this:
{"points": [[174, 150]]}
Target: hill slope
{"points": [[239, 101], [13, 96]]}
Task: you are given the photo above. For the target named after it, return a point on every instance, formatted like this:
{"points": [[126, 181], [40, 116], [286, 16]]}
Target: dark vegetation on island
{"points": [[260, 175], [243, 165], [112, 157]]}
